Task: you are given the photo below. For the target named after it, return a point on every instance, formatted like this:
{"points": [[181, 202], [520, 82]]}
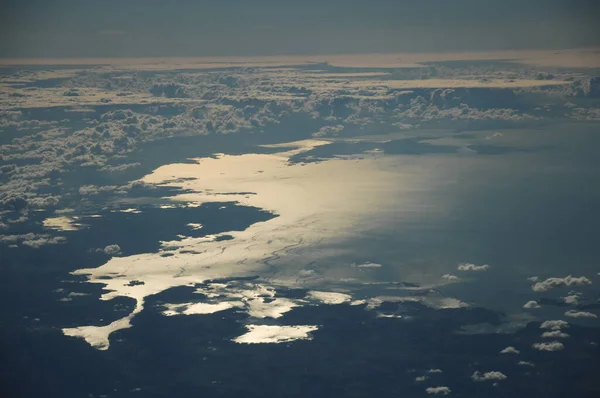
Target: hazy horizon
{"points": [[184, 28]]}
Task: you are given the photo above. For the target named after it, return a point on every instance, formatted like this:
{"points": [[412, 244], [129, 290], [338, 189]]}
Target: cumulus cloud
{"points": [[450, 277], [580, 314], [531, 304], [472, 267], [555, 334], [526, 363], [112, 250], [552, 283], [554, 325], [33, 240], [552, 346], [494, 375], [510, 350], [434, 371], [420, 378], [369, 265], [443, 390], [572, 299]]}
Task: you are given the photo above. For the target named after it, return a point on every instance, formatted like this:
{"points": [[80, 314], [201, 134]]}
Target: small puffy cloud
{"points": [[369, 265], [510, 350], [572, 299], [472, 267], [450, 277], [552, 346], [552, 283], [443, 390], [533, 279], [420, 378], [44, 240], [531, 304], [112, 250], [555, 334], [434, 371], [554, 325], [33, 240], [580, 314], [526, 363], [494, 375]]}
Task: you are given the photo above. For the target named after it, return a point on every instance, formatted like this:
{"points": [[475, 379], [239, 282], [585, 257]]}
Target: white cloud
{"points": [[274, 334], [438, 390], [531, 304], [329, 297], [510, 350], [112, 250], [555, 334], [369, 265], [554, 325], [494, 375], [526, 363], [552, 346], [450, 277], [472, 267], [420, 378], [434, 371], [580, 314], [552, 283], [572, 299], [533, 278]]}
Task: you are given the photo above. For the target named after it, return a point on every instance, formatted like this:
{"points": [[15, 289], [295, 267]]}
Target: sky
{"points": [[139, 28]]}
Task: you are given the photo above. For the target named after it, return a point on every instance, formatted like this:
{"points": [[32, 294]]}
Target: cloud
{"points": [[533, 278], [434, 371], [44, 240], [531, 304], [369, 265], [552, 283], [525, 363], [443, 390], [552, 346], [494, 375], [572, 299], [33, 240], [555, 334], [420, 378], [258, 334], [554, 325], [112, 250], [510, 350], [450, 277], [472, 267], [580, 314]]}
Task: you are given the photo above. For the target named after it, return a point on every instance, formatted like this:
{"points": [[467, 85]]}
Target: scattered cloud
{"points": [[274, 334], [580, 314], [554, 325], [510, 350], [572, 299], [112, 250], [419, 379], [443, 390], [33, 240], [472, 267], [494, 375], [552, 283], [555, 334], [525, 363], [531, 304], [552, 346], [450, 277]]}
